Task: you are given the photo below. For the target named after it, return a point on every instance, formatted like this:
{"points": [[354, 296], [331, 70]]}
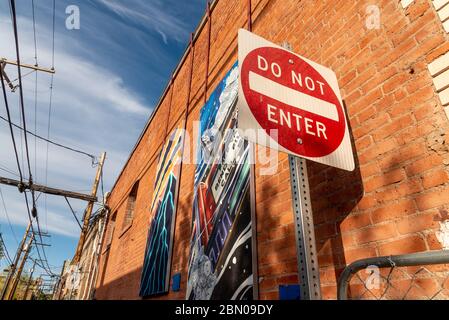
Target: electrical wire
{"points": [[54, 24], [8, 113], [8, 257], [45, 267], [74, 213], [34, 214], [2, 168], [92, 157], [35, 85], [15, 145], [7, 217], [24, 76], [19, 72], [102, 186], [15, 151], [50, 106], [34, 32]]}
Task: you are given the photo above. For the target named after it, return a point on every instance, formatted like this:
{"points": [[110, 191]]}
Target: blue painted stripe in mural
{"points": [[156, 266]]}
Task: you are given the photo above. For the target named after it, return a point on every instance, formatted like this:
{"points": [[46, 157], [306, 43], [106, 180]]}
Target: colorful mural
{"points": [[220, 264], [156, 268]]}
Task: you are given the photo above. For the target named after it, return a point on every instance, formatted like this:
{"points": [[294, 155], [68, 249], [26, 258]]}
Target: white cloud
{"points": [[56, 222], [151, 14], [93, 110]]}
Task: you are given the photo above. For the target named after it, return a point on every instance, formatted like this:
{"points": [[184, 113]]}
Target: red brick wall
{"points": [[389, 205]]}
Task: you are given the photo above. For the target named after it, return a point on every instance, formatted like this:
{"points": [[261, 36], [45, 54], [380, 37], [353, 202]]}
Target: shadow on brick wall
{"points": [[124, 288], [334, 193], [127, 287]]}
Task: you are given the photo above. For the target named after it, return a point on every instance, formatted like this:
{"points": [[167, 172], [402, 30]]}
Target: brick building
{"points": [[393, 84]]}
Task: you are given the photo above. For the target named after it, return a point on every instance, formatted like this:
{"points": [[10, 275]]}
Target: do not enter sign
{"points": [[295, 98]]}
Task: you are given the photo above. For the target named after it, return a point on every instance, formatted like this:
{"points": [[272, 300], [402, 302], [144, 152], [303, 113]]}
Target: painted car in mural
{"points": [[156, 268], [220, 264]]}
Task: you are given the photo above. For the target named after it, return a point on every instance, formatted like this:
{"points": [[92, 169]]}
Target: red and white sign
{"points": [[282, 91]]}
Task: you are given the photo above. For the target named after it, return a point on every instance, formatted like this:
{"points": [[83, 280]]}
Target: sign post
{"points": [[296, 104], [308, 268]]}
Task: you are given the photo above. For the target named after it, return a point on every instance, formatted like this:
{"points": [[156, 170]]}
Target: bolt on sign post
{"points": [[291, 104]]}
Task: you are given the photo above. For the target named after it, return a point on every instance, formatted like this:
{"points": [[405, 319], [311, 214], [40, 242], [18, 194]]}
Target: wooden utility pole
{"points": [[27, 66], [13, 267], [36, 288], [5, 76], [89, 210], [28, 247], [4, 62], [30, 280], [59, 283], [38, 188]]}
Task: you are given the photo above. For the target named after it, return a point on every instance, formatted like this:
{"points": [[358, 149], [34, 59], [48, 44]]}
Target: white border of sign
{"points": [[342, 158]]}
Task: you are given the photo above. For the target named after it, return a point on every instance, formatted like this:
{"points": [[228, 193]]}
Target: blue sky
{"points": [[109, 76]]}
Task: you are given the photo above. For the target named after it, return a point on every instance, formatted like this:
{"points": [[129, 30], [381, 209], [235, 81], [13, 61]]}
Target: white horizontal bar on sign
{"points": [[439, 65], [442, 81], [444, 13], [292, 97], [438, 4], [406, 3], [444, 96]]}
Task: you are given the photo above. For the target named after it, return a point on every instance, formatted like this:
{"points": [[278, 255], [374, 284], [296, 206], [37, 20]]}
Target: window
{"points": [[130, 207], [110, 232]]}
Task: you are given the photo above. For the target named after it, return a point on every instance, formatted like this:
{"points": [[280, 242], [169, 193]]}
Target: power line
{"points": [[74, 213], [35, 86], [54, 24], [7, 217], [34, 212], [11, 126], [46, 268], [3, 244], [50, 106], [16, 152], [19, 72], [24, 76], [102, 186], [2, 168], [22, 107], [92, 157], [34, 32]]}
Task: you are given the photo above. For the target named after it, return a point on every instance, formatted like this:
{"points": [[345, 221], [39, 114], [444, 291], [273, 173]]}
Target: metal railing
{"points": [[405, 277]]}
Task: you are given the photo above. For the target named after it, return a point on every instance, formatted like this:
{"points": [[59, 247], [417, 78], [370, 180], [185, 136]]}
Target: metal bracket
{"points": [[5, 76], [308, 269]]}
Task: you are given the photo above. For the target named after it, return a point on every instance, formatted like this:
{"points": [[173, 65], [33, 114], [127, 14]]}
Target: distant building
{"points": [[77, 281]]}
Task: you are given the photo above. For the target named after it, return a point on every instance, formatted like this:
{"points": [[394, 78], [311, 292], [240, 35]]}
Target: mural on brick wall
{"points": [[220, 264], [156, 267]]}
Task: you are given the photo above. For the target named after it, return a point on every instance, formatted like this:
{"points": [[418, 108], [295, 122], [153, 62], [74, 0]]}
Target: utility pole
{"points": [[47, 190], [29, 281], [94, 271], [89, 210], [13, 267], [4, 62], [28, 247], [59, 283], [55, 287], [35, 288]]}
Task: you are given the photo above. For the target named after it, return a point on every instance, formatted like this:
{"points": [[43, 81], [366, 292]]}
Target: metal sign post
{"points": [[308, 269]]}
